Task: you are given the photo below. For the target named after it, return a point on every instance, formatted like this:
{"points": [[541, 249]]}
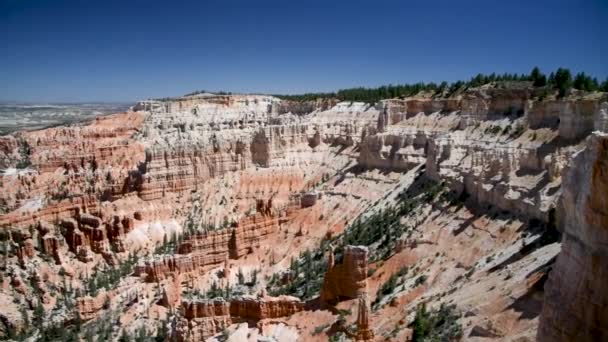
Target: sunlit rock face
{"points": [[576, 301]]}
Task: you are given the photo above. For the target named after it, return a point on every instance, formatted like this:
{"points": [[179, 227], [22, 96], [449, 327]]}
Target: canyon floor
{"points": [[476, 216]]}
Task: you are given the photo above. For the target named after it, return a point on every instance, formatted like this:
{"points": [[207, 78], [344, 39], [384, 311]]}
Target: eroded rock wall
{"points": [[265, 307], [576, 300], [503, 148], [205, 318], [213, 248]]}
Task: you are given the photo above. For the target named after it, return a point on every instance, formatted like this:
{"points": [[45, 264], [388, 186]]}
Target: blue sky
{"points": [[54, 50]]}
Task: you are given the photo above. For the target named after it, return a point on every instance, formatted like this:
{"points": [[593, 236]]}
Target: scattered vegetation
{"points": [[304, 277], [389, 286], [109, 277], [420, 280], [379, 231], [436, 325], [24, 154], [169, 245], [320, 329]]}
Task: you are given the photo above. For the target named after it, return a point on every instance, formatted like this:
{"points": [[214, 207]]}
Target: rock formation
{"points": [[213, 248], [265, 307], [346, 279], [576, 302], [364, 331], [204, 318]]}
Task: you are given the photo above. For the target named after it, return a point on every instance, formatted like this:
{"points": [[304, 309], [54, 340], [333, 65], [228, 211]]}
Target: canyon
{"points": [[255, 218]]}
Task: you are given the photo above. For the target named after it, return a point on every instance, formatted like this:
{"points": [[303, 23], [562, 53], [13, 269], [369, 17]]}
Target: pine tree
{"points": [[240, 276], [421, 324], [161, 332], [39, 314], [580, 81], [124, 337], [25, 318], [563, 80], [604, 86], [538, 78], [551, 80]]}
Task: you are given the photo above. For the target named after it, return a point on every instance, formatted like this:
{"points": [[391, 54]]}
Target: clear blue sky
{"points": [[54, 50]]}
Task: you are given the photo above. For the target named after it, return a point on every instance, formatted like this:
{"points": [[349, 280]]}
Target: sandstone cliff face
{"points": [[576, 302], [265, 307], [202, 319], [9, 151], [88, 307], [217, 108], [205, 318], [305, 107], [478, 144], [92, 159]]}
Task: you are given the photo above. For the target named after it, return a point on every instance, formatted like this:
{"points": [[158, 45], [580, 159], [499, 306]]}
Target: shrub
{"points": [[320, 329], [436, 325], [420, 280]]}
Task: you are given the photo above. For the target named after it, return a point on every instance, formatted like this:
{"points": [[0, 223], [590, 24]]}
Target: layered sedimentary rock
{"points": [[216, 108], [576, 301], [89, 231], [304, 107], [213, 248], [348, 278], [103, 143], [248, 307], [88, 307], [393, 152], [9, 151], [475, 143], [204, 318]]}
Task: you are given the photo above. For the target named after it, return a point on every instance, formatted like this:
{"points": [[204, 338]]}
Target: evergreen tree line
{"points": [[561, 80]]}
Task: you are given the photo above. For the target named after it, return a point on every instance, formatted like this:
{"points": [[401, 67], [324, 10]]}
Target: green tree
{"points": [[583, 81], [162, 333], [240, 276], [421, 325], [38, 314], [26, 319], [538, 79], [436, 325], [551, 79], [563, 80]]}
